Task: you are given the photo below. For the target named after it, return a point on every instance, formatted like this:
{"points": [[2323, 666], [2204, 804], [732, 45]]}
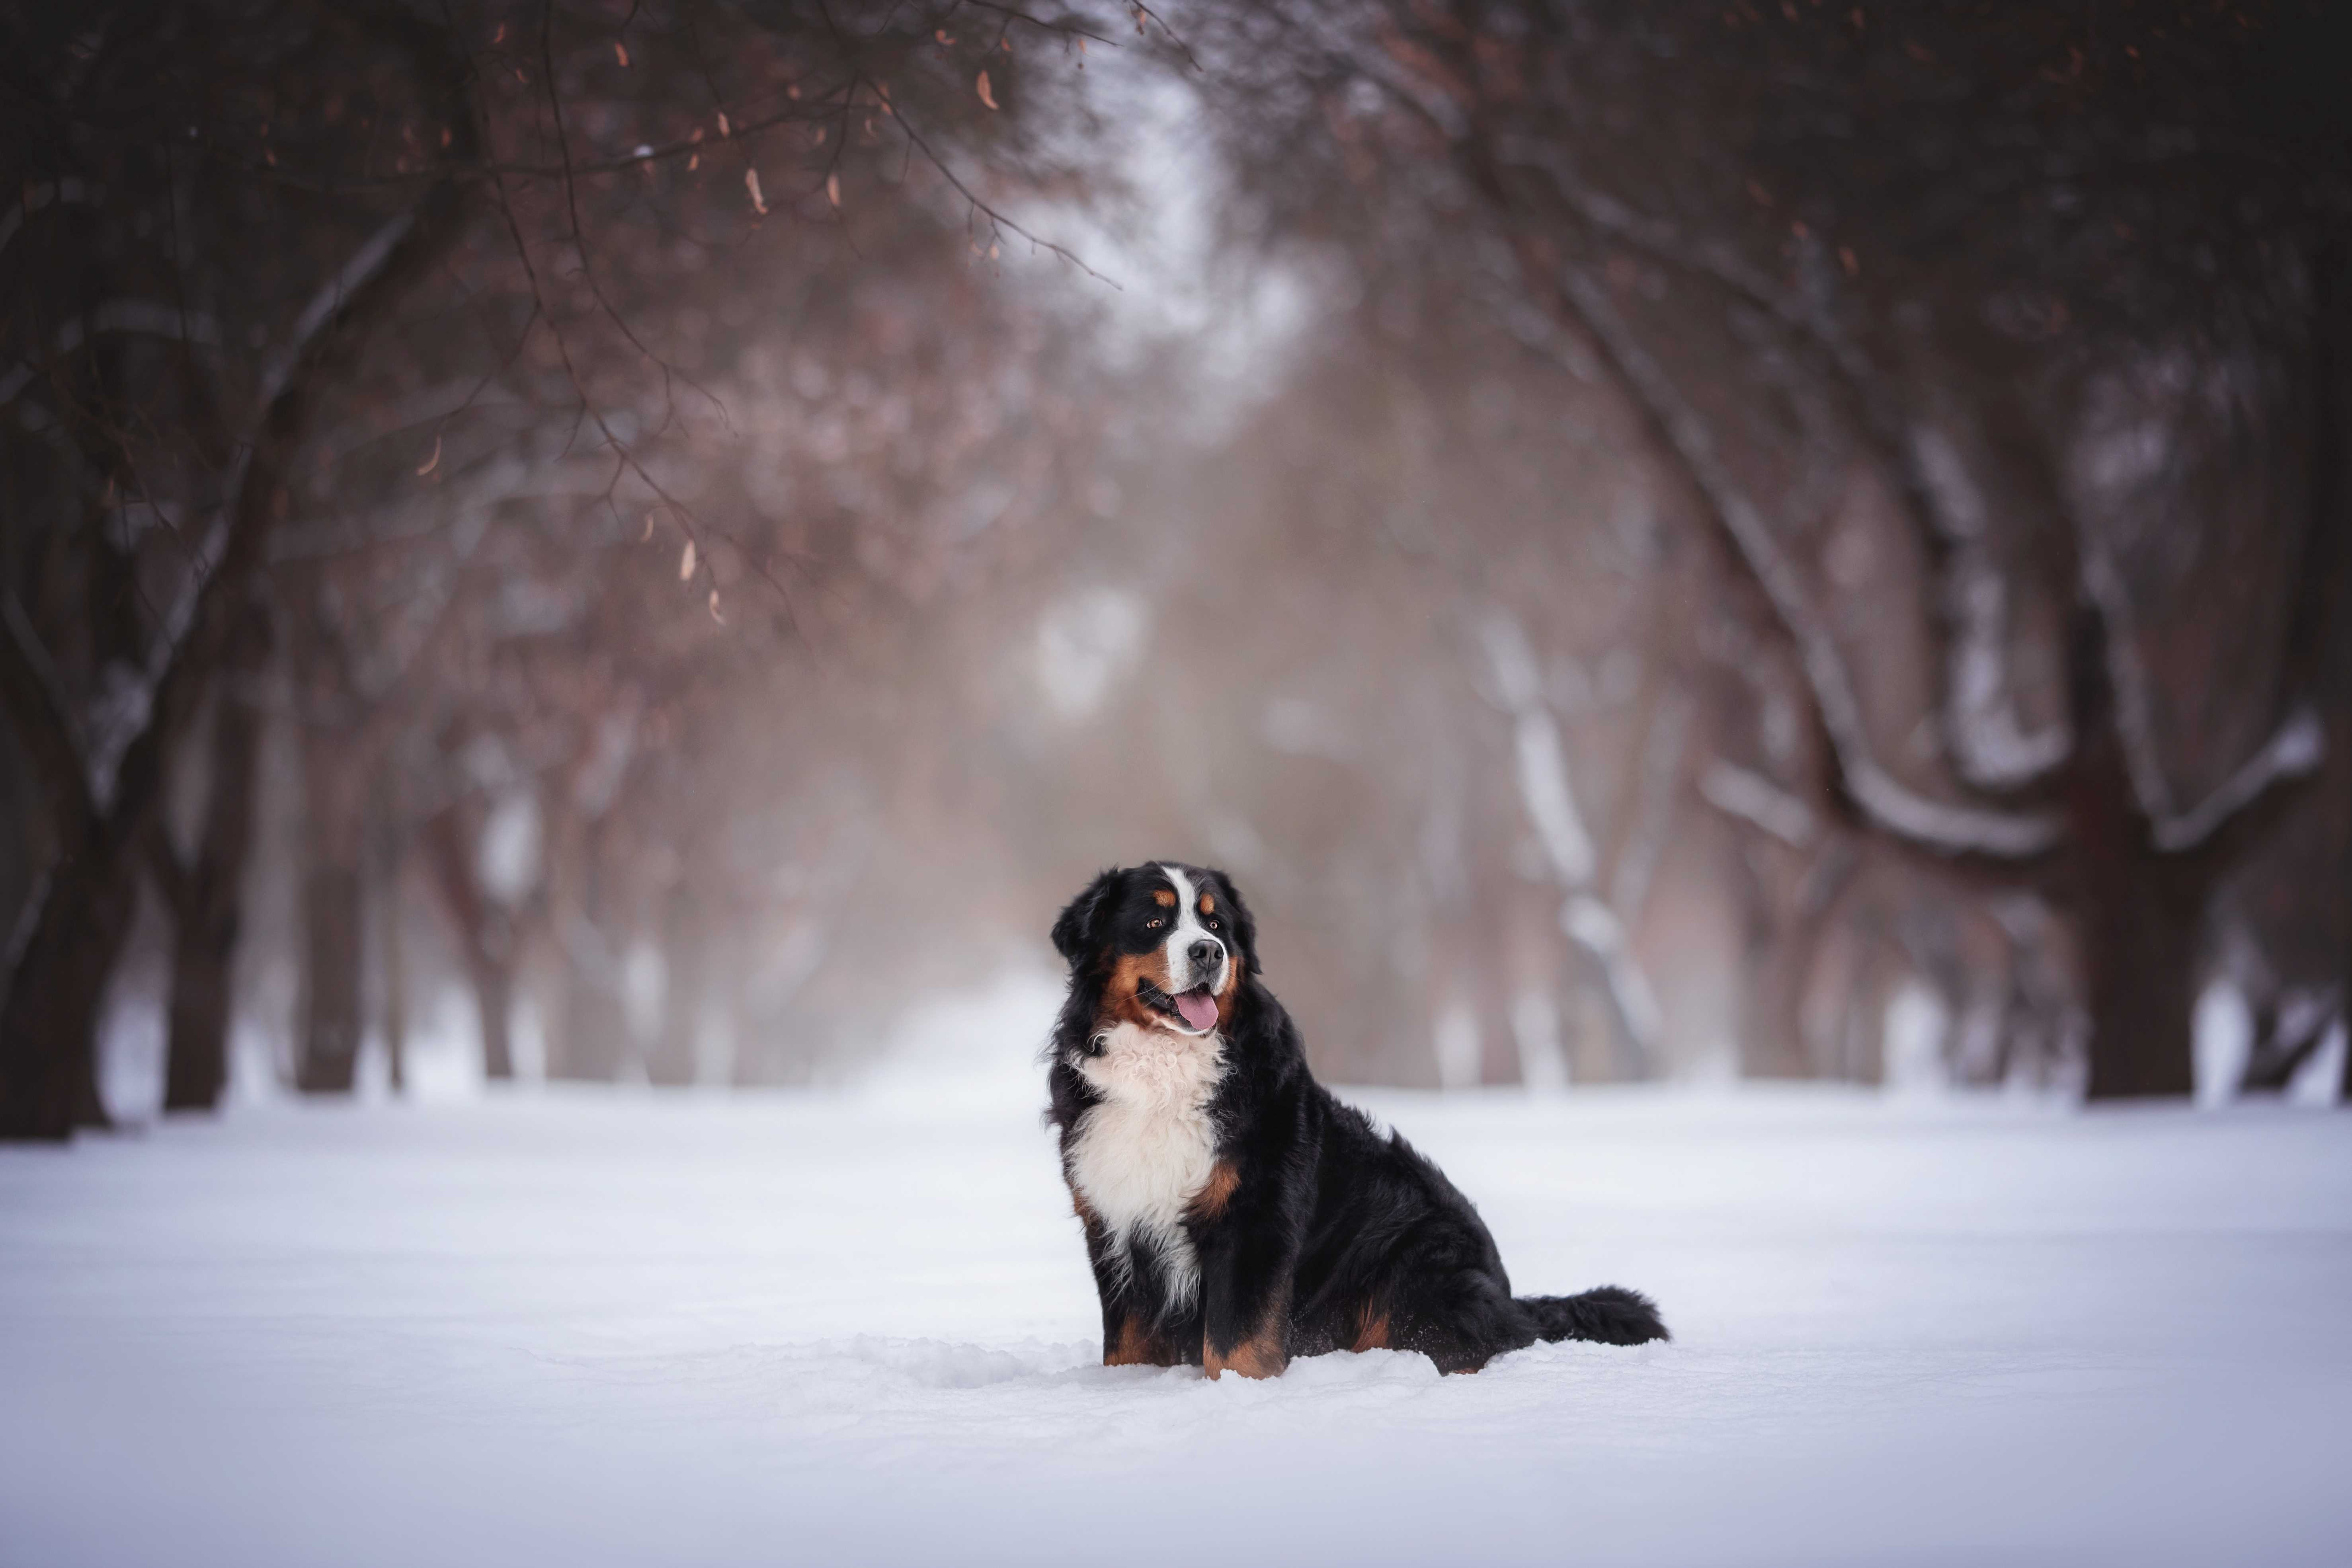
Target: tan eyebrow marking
{"points": [[1208, 903], [1164, 897]]}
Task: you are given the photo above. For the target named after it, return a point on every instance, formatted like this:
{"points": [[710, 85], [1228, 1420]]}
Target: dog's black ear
{"points": [[1244, 924], [1076, 933]]}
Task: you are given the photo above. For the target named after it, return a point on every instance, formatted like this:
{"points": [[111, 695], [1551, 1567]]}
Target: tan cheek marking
{"points": [[1374, 1333], [1120, 1004]]}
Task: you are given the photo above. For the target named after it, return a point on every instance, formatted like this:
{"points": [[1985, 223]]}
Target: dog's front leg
{"points": [[1133, 1334], [1248, 1256]]}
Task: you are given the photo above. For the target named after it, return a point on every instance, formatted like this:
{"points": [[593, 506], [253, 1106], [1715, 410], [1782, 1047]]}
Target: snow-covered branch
{"points": [[1542, 761], [1945, 828], [1653, 809], [1594, 926], [2295, 750], [362, 264], [68, 190], [1550, 805], [1755, 800], [2128, 685], [151, 318], [1989, 748], [278, 374]]}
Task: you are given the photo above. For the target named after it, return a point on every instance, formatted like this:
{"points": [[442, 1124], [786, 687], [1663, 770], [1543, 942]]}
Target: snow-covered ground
{"points": [[856, 1327]]}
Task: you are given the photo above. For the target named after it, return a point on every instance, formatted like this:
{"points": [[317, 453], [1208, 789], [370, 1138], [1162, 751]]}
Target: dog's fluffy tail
{"points": [[1611, 1314]]}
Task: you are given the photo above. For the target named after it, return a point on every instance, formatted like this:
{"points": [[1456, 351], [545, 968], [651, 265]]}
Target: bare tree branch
{"points": [[76, 931], [1989, 748], [1945, 829], [1755, 800], [36, 196], [2127, 680], [1651, 813], [146, 316], [994, 216], [278, 375], [42, 717], [1551, 806], [2294, 751]]}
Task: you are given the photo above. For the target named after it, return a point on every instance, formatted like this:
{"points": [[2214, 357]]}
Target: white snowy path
{"points": [[810, 1328]]}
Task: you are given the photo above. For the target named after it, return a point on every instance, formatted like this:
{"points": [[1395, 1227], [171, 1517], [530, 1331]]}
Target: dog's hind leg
{"points": [[1463, 1322]]}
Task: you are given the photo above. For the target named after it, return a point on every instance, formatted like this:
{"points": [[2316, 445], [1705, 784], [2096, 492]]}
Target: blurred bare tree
{"points": [[265, 249], [2032, 322]]}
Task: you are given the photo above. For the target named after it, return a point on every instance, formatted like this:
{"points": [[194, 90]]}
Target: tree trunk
{"points": [[328, 1061], [672, 1058], [2140, 934], [334, 787], [1782, 947], [2328, 576], [594, 1041], [81, 902], [195, 1063], [493, 978], [1772, 1036], [486, 935], [209, 910], [396, 970], [48, 1079], [2140, 916], [48, 1066]]}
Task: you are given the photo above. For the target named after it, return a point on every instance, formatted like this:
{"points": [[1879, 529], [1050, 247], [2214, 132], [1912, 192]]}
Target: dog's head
{"points": [[1163, 944]]}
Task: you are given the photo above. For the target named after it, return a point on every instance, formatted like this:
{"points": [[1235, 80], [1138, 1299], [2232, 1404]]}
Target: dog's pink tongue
{"points": [[1199, 1009]]}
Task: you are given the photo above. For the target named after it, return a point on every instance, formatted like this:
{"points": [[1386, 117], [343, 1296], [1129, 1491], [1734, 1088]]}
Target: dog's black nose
{"points": [[1205, 954]]}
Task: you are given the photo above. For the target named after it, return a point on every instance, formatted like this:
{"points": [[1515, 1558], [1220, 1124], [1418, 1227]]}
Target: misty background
{"points": [[622, 543]]}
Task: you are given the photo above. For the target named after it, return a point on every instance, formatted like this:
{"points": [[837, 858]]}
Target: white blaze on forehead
{"points": [[1188, 931]]}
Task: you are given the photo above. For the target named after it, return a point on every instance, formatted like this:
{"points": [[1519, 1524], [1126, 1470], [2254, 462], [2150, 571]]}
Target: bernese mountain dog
{"points": [[1236, 1214]]}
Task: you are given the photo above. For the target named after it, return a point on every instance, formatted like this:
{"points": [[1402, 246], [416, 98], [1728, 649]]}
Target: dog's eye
{"points": [[1213, 925], [1154, 924]]}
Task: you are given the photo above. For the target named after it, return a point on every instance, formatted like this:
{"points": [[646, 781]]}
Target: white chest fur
{"points": [[1144, 1153]]}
